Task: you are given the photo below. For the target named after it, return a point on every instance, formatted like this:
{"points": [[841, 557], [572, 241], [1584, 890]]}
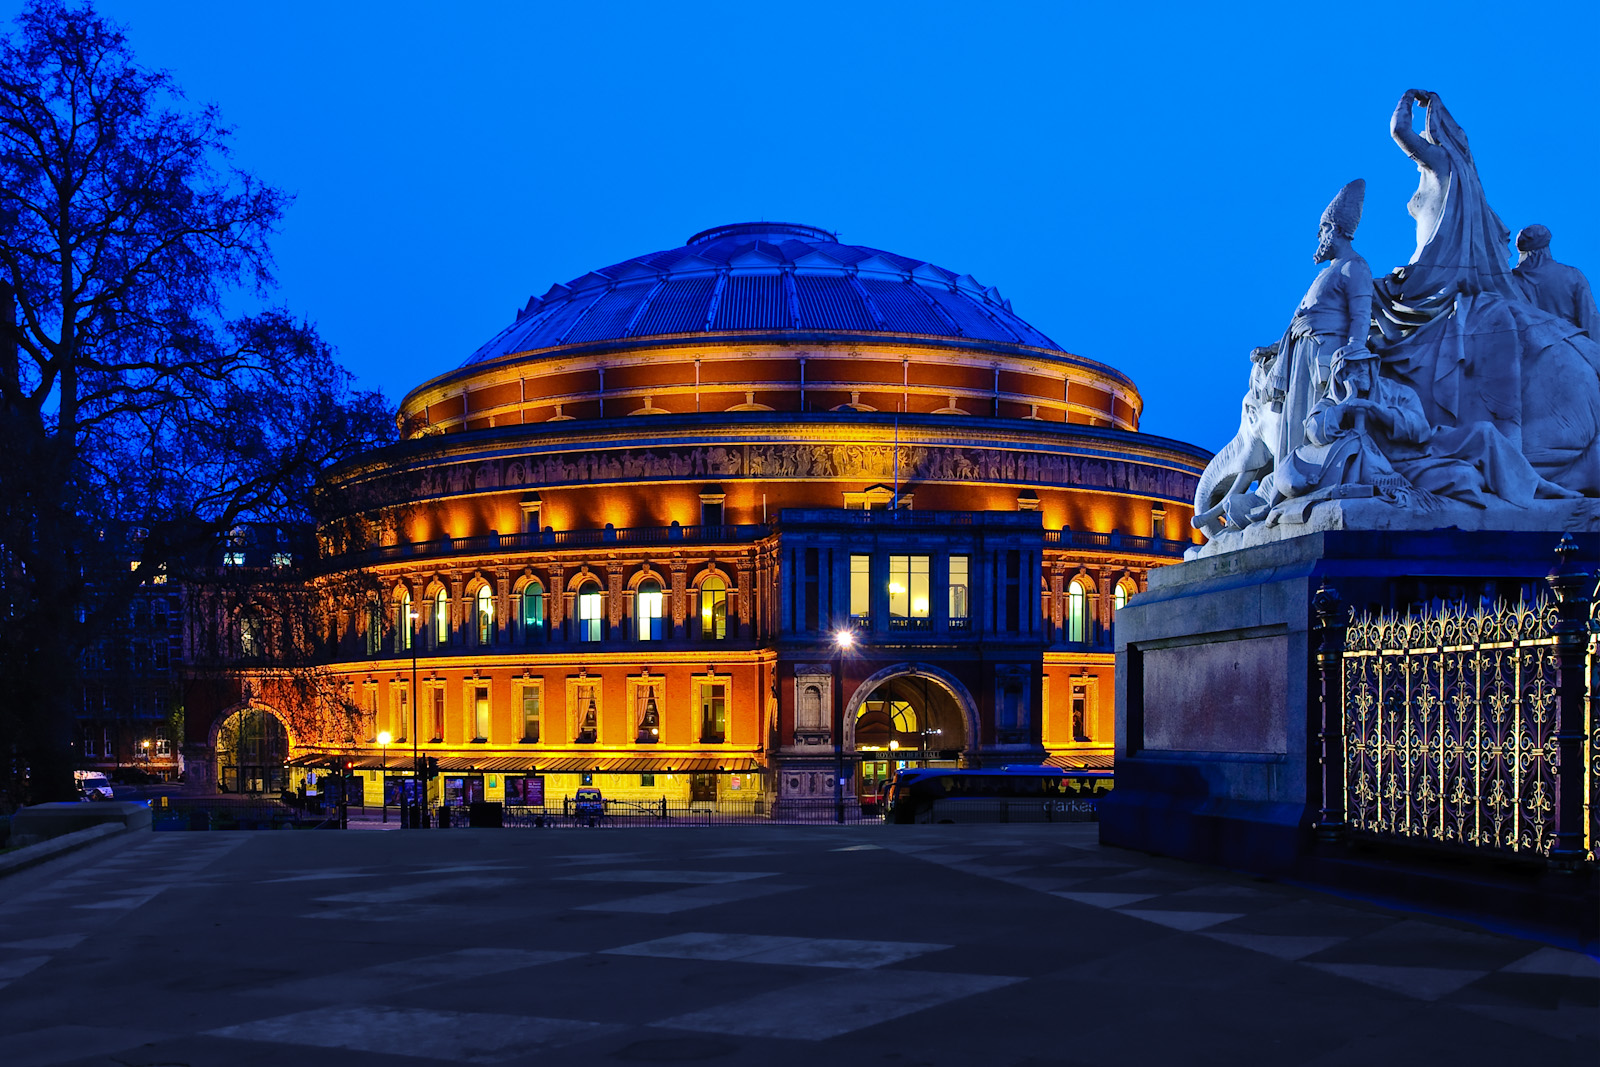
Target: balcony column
{"points": [[746, 598], [1103, 608], [1058, 591], [458, 631], [614, 573], [680, 596], [554, 600], [502, 621]]}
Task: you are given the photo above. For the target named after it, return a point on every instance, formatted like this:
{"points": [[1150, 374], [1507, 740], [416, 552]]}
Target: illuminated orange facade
{"points": [[621, 540]]}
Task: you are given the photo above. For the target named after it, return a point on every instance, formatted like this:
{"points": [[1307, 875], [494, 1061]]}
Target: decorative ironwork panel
{"points": [[1450, 726]]}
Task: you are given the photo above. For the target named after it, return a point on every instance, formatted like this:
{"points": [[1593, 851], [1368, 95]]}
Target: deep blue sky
{"points": [[1144, 181]]}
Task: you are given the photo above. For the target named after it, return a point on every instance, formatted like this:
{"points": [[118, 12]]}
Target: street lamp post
{"points": [[416, 755], [843, 641], [383, 782]]}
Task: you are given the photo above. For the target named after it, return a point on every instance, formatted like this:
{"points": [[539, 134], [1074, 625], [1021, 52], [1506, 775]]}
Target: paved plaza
{"points": [[744, 945]]}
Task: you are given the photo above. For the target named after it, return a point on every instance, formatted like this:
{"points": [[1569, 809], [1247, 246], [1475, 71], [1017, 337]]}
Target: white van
{"points": [[92, 785]]}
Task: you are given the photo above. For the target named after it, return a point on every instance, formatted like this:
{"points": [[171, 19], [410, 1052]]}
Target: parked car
{"points": [[92, 785], [588, 804]]}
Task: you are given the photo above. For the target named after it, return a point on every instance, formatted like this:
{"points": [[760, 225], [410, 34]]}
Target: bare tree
{"points": [[129, 398]]}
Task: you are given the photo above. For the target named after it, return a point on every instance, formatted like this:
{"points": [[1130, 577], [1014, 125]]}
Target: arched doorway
{"points": [[252, 747], [907, 716]]}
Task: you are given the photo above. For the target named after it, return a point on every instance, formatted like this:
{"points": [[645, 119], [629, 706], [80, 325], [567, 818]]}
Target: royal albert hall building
{"points": [[624, 537]]}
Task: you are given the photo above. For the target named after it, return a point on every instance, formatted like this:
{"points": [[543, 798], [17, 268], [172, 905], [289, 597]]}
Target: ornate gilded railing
{"points": [[1465, 726], [1450, 726]]}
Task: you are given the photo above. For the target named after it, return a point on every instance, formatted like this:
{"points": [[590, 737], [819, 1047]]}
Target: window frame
{"points": [[403, 635], [640, 689], [480, 707], [713, 594], [582, 689], [860, 585], [959, 598], [1078, 610], [441, 618], [908, 573], [648, 605], [531, 594], [719, 683], [589, 595], [483, 615], [526, 687]]}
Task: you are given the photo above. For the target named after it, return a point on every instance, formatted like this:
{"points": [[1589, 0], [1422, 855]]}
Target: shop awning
{"points": [[1081, 761], [599, 763]]}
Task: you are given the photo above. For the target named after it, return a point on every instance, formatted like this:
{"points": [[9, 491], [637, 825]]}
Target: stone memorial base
{"points": [[1217, 713], [1559, 516]]}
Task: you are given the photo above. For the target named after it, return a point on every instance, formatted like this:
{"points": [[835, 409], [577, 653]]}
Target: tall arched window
{"points": [[648, 610], [402, 621], [483, 614], [1120, 595], [441, 619], [252, 635], [1077, 611], [374, 628], [589, 612], [532, 611], [713, 608]]}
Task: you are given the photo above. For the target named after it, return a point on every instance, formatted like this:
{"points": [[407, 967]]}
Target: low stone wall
{"points": [[44, 821]]}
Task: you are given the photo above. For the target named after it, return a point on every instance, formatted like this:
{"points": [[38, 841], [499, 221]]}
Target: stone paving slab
{"points": [[907, 945]]}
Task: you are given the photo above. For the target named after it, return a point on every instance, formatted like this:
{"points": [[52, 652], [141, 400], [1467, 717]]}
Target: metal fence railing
{"points": [[660, 813], [1466, 726]]}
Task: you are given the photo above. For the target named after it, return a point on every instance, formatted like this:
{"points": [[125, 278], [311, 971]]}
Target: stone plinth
{"points": [[1217, 714], [43, 821]]}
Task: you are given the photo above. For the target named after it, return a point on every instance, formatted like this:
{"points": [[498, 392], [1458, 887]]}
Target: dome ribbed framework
{"points": [[767, 277]]}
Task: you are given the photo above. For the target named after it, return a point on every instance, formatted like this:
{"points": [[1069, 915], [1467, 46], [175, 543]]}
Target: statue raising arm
{"points": [[1426, 155]]}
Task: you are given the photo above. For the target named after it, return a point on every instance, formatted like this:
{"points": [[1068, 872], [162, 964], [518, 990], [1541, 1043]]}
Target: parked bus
{"points": [[1004, 794]]}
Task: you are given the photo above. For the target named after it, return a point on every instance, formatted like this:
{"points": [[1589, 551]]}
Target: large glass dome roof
{"points": [[770, 277]]}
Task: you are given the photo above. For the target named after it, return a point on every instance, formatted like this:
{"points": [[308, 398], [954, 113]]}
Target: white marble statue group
{"points": [[1454, 385]]}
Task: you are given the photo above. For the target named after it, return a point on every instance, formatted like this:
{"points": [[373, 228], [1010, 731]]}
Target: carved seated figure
{"points": [[1369, 437]]}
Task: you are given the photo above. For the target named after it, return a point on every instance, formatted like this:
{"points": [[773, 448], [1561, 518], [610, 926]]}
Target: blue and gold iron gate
{"points": [[1467, 725]]}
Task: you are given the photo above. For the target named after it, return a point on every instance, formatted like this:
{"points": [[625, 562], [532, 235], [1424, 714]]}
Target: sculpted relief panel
{"points": [[868, 462]]}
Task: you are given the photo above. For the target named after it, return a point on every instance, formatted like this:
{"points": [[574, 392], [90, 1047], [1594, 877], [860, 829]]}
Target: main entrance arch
{"points": [[252, 746], [911, 713]]}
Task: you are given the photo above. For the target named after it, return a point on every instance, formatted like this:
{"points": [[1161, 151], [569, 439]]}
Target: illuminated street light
{"points": [[843, 641], [415, 788], [383, 782]]}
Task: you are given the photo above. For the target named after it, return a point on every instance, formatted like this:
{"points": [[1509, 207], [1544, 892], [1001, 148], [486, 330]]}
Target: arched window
{"points": [[1077, 611], [374, 628], [1120, 595], [484, 613], [252, 634], [441, 619], [589, 612], [648, 610], [532, 610], [714, 609], [402, 621]]}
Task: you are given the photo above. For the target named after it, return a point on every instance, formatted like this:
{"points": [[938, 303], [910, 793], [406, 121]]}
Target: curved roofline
{"points": [[438, 448], [784, 337], [741, 229]]}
